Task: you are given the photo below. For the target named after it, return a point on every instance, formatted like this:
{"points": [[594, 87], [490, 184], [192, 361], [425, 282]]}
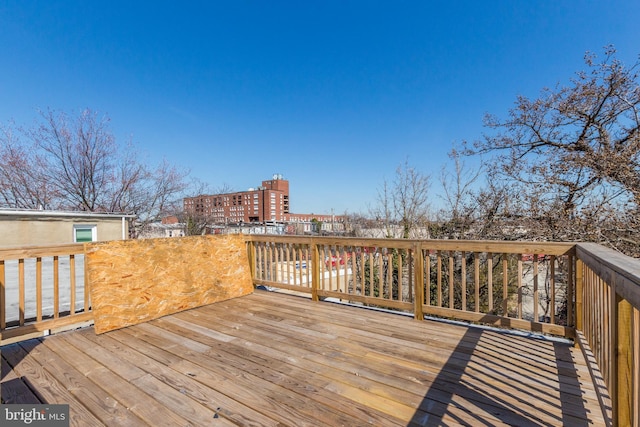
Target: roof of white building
{"points": [[63, 214]]}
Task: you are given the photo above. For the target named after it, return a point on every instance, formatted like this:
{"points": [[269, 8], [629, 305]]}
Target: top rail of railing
{"points": [[610, 264], [495, 246]]}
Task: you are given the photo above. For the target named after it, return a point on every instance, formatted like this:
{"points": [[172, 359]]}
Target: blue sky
{"points": [[334, 95]]}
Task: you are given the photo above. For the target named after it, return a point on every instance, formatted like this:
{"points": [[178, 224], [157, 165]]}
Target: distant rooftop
{"points": [[75, 214]]}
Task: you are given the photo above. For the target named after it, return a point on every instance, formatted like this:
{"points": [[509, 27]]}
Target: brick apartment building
{"points": [[267, 203]]}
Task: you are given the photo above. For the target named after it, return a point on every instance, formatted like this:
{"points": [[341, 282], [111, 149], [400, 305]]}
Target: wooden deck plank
{"points": [[127, 348], [103, 406], [174, 400], [391, 408], [546, 359], [12, 389], [317, 414], [354, 377], [148, 344], [97, 356], [46, 387], [515, 381], [134, 399], [357, 355], [295, 377], [270, 359], [363, 368]]}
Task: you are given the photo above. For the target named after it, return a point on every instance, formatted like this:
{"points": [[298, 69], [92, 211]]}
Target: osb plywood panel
{"points": [[134, 281]]}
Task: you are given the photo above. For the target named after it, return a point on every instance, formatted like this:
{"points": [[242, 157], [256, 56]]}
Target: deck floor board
{"points": [[271, 359]]}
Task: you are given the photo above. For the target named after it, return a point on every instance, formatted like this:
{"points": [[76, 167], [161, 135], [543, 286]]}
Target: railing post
{"points": [[571, 290], [579, 289], [623, 401], [418, 282], [315, 272], [635, 377]]}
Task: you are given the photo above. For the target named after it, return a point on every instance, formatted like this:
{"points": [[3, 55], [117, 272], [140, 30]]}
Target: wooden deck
{"points": [[273, 359]]}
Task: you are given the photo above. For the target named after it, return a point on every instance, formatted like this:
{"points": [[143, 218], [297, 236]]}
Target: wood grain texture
{"points": [[270, 359], [134, 281]]}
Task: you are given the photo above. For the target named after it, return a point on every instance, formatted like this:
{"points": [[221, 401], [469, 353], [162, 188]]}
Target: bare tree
{"points": [[383, 211], [578, 136], [404, 202], [459, 212], [22, 184], [574, 152], [74, 162], [80, 155]]}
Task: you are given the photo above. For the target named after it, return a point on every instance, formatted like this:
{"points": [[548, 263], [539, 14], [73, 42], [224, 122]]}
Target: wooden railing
{"points": [[42, 289], [507, 284], [608, 323], [580, 291]]}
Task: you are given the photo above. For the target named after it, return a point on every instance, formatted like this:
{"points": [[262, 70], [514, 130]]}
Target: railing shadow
{"points": [[488, 378], [15, 389]]}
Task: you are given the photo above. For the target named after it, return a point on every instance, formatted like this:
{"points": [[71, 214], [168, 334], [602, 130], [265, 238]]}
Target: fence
{"points": [[42, 289], [508, 284]]}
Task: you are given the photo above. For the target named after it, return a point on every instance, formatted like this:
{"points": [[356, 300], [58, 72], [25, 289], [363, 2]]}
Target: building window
{"points": [[84, 233]]}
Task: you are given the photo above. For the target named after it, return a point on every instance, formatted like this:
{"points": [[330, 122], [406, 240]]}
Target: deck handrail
{"points": [[608, 317]]}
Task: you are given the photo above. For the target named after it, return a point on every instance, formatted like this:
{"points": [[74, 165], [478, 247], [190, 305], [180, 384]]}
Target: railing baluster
{"points": [[72, 284], [287, 252], [451, 280], [505, 285], [490, 280], [3, 300], [536, 301], [21, 297], [381, 274], [427, 275], [463, 279], [519, 286], [476, 271], [323, 267], [56, 288], [398, 256], [411, 284], [419, 282], [316, 273], [329, 264], [439, 277], [552, 286], [39, 289]]}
